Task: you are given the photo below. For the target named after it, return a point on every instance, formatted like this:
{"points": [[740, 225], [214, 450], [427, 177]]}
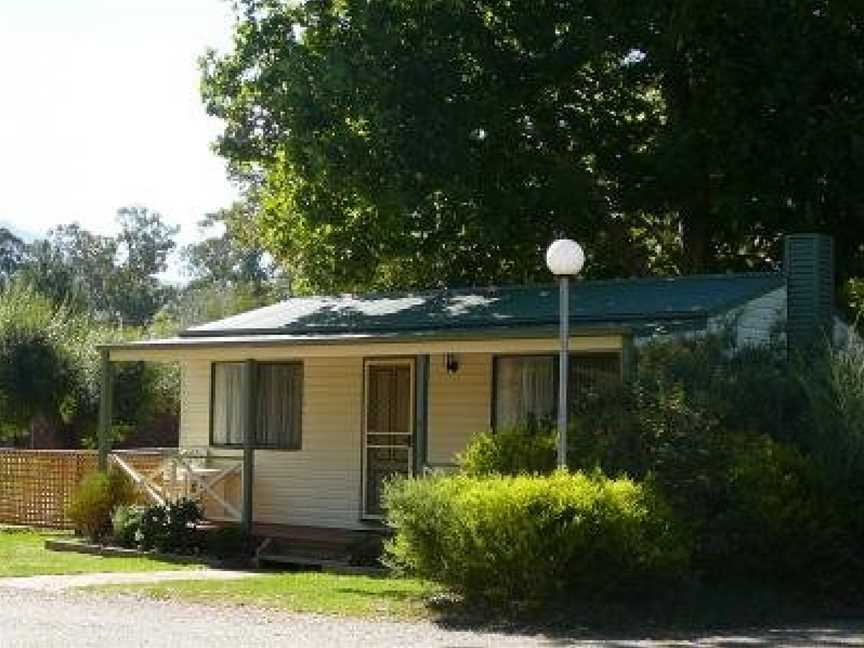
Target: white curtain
{"points": [[525, 388], [227, 403]]}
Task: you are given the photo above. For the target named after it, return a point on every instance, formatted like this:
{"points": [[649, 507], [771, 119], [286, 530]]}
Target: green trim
{"points": [[250, 426], [106, 409], [421, 412]]}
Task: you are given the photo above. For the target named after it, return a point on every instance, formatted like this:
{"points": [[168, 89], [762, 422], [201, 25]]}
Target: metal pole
{"points": [[564, 308], [105, 409], [250, 424]]}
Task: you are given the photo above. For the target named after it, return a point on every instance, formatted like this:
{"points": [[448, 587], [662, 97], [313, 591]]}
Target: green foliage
{"points": [[227, 543], [11, 255], [760, 459], [95, 499], [36, 379], [402, 143], [49, 357], [833, 388], [109, 278], [528, 537], [530, 449], [171, 528], [126, 525]]}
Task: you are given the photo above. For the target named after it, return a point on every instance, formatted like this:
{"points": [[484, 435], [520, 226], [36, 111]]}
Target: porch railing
{"points": [[165, 475]]}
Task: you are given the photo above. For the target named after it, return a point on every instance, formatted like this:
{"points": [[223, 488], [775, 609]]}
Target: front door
{"points": [[388, 430]]}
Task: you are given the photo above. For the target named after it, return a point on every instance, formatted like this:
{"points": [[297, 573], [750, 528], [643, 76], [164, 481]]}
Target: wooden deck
{"points": [[311, 547], [312, 534]]}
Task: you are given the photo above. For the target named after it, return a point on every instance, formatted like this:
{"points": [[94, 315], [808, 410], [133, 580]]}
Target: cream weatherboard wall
{"points": [[460, 404], [320, 484]]}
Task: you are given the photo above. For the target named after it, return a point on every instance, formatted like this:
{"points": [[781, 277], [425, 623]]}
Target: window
{"points": [[227, 405], [278, 400], [526, 386]]}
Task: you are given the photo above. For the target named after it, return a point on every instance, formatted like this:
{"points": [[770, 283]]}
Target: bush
{"points": [[761, 461], [526, 537], [95, 499], [833, 388], [126, 523], [171, 528], [228, 542], [526, 449]]}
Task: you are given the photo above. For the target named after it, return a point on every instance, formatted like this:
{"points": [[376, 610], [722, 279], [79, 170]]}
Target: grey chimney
{"points": [[808, 262]]}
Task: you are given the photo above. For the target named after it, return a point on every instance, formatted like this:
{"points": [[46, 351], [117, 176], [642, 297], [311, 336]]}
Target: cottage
{"points": [[341, 392]]}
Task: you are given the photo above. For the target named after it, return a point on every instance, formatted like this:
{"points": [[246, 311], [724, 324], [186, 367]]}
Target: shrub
{"points": [[779, 521], [171, 528], [528, 537], [95, 499], [525, 449], [759, 460], [126, 523], [228, 542], [36, 379], [833, 388]]}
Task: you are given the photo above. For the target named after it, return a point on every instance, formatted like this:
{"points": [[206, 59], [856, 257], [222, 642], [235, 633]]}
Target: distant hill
{"points": [[17, 231]]}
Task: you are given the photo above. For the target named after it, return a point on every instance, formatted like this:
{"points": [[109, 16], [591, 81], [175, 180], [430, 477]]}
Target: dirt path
{"points": [[32, 618], [72, 581]]}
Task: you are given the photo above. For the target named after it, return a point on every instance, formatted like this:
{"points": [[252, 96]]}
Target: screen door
{"points": [[388, 429]]}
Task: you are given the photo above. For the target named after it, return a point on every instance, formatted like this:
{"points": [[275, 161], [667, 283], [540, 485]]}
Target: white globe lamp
{"points": [[565, 258]]}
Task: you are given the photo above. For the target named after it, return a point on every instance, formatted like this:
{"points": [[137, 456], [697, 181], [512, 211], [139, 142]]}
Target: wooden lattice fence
{"points": [[36, 485]]}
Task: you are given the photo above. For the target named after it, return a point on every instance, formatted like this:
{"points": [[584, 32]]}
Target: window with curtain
{"points": [[526, 387], [278, 402], [227, 403]]}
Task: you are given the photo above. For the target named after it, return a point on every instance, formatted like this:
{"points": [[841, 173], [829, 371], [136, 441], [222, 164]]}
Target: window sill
{"points": [[223, 446]]}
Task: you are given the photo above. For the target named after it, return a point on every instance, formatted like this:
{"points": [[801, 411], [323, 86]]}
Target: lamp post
{"points": [[565, 259]]}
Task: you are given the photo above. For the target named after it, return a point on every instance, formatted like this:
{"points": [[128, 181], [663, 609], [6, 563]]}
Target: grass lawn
{"points": [[22, 553], [359, 596]]}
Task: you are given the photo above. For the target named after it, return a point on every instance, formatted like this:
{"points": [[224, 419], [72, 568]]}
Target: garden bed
{"points": [[76, 545]]}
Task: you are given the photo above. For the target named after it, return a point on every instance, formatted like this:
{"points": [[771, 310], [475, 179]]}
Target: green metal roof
{"points": [[634, 303]]}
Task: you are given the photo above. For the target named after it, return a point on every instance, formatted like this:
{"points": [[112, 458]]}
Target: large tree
{"points": [[406, 142], [763, 125], [414, 143]]}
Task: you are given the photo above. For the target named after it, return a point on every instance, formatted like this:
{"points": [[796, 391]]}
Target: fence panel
{"points": [[36, 485]]}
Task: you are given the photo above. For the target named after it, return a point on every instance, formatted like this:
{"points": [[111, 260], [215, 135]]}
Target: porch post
{"points": [[421, 400], [106, 408], [628, 358], [250, 422]]}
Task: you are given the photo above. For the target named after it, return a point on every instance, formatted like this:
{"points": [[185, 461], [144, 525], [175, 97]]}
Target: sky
{"points": [[100, 108]]}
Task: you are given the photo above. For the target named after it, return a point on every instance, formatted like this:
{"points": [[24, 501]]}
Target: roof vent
{"points": [[808, 261]]}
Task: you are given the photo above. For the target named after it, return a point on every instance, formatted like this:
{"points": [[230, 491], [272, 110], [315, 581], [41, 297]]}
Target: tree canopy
{"points": [[403, 143], [112, 278], [11, 254]]}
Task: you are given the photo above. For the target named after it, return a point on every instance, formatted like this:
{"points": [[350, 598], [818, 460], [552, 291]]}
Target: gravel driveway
{"points": [[79, 620]]}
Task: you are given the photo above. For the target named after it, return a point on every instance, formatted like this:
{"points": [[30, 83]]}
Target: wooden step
{"points": [[317, 564]]}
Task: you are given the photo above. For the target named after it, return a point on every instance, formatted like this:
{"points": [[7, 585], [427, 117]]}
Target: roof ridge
{"points": [[448, 290]]}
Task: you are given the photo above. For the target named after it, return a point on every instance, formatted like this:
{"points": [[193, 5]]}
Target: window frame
{"points": [[257, 445], [493, 415]]}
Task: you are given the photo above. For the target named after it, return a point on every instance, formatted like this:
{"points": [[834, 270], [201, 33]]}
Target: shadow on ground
{"points": [[731, 619]]}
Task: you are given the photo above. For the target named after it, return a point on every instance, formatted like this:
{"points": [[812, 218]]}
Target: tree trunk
{"points": [[694, 243]]}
